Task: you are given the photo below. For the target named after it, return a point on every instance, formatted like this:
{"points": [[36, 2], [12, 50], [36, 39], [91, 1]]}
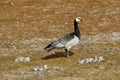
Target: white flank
{"points": [[72, 43]]}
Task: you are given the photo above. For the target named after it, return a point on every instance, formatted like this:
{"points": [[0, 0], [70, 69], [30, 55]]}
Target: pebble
{"points": [[23, 59], [91, 59], [95, 59], [81, 61], [40, 68], [11, 3], [101, 58]]}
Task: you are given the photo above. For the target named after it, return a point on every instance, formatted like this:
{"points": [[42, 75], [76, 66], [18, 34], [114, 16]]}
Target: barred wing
{"points": [[61, 42]]}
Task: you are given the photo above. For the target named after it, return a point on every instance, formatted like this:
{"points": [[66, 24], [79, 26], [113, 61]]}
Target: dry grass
{"points": [[27, 26]]}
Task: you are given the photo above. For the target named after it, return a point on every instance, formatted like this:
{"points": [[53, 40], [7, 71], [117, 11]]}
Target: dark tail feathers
{"points": [[49, 48]]}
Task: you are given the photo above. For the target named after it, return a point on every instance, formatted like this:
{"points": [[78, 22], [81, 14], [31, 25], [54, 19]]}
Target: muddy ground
{"points": [[27, 26]]}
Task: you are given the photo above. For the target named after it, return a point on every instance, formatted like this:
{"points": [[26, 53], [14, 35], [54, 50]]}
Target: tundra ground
{"points": [[27, 26]]}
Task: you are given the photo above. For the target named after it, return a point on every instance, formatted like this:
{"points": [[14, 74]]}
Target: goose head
{"points": [[78, 19]]}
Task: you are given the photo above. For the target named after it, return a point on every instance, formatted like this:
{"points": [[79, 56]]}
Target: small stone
{"points": [[11, 3], [101, 58], [19, 59], [23, 59], [89, 60], [81, 61], [40, 68], [27, 59], [66, 23], [36, 68], [45, 67], [95, 59]]}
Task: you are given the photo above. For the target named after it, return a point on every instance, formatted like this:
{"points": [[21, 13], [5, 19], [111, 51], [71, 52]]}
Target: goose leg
{"points": [[67, 53]]}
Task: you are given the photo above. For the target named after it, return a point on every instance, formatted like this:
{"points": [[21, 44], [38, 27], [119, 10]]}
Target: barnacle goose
{"points": [[67, 41]]}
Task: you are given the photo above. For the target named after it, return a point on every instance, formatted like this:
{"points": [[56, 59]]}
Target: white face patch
{"points": [[78, 19]]}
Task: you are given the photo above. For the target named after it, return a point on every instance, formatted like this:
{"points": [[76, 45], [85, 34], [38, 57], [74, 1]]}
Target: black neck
{"points": [[76, 26], [76, 29]]}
